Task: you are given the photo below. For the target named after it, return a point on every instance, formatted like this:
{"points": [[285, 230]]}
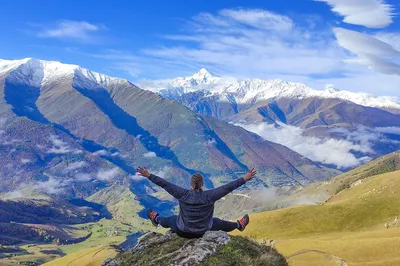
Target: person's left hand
{"points": [[250, 174], [143, 171]]}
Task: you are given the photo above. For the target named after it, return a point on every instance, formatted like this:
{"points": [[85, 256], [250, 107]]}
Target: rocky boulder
{"points": [[214, 248]]}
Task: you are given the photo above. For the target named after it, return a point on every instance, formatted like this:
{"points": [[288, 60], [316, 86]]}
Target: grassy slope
{"points": [[324, 190], [92, 256], [121, 203], [351, 225]]}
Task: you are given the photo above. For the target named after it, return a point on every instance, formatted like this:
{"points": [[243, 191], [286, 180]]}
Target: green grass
{"points": [[103, 232]]}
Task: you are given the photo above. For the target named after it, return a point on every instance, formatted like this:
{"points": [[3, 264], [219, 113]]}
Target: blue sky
{"points": [[352, 44]]}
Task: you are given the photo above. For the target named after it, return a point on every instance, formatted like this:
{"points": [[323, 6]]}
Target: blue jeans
{"points": [[217, 225]]}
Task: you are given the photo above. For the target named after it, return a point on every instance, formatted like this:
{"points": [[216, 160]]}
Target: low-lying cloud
{"points": [[76, 165], [82, 177], [150, 154], [51, 186], [324, 150], [61, 147], [107, 174], [388, 130]]}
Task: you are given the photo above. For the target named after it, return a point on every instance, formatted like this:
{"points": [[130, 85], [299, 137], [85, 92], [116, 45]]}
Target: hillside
{"points": [[322, 191], [69, 129], [363, 119], [254, 201], [364, 215]]}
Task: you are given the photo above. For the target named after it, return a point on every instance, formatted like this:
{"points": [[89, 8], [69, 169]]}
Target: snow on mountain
{"points": [[254, 90], [39, 72]]}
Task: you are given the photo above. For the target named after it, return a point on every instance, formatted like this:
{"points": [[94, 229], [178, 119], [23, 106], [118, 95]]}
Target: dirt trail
{"points": [[334, 258]]}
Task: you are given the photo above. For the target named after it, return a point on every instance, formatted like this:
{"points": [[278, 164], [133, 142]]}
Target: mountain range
{"points": [[68, 129], [71, 138], [371, 124]]}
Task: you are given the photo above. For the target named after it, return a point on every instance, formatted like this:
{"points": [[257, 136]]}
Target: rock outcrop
{"points": [[214, 248]]}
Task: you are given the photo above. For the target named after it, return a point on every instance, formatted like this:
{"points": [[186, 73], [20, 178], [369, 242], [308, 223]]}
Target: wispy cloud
{"points": [[82, 177], [69, 29], [76, 165], [258, 43], [258, 18], [51, 186], [61, 147], [370, 51], [108, 174], [369, 13], [388, 130], [248, 42]]}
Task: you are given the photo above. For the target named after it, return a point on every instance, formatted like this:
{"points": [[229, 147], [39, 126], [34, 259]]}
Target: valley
{"points": [[71, 138]]}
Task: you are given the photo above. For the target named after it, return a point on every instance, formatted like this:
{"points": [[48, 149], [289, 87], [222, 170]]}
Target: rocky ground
{"points": [[214, 248]]}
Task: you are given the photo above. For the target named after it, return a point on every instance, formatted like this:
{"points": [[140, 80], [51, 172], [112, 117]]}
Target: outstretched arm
{"points": [[174, 190], [218, 193]]}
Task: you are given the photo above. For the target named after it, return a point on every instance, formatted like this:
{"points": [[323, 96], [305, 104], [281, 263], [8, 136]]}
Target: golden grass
{"points": [[350, 226], [87, 257]]}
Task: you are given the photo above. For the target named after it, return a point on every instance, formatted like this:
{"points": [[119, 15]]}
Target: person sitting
{"points": [[196, 206]]}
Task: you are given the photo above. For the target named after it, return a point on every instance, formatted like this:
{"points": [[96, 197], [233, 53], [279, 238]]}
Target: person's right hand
{"points": [[250, 174], [143, 171]]}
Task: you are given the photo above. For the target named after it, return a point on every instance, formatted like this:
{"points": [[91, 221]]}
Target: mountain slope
{"points": [[364, 215], [91, 130], [357, 118]]}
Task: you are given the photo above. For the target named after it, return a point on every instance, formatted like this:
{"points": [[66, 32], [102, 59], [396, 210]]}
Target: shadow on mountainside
{"points": [[23, 99]]}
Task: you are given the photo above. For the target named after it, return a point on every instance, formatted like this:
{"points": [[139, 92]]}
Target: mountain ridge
{"points": [[109, 126], [259, 89]]}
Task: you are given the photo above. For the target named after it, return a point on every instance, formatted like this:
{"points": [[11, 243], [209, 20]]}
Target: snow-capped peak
{"points": [[39, 72], [203, 74], [254, 90]]}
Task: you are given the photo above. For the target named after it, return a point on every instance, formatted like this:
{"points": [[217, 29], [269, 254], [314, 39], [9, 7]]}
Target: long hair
{"points": [[197, 181]]}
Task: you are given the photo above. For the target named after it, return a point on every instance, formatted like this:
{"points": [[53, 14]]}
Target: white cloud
{"points": [[389, 130], [59, 146], [82, 177], [106, 153], [211, 142], [25, 161], [255, 43], [364, 44], [137, 177], [107, 174], [13, 195], [392, 38], [101, 153], [69, 29], [150, 154], [327, 150], [76, 165], [51, 186], [370, 51], [161, 172], [369, 13], [258, 18]]}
